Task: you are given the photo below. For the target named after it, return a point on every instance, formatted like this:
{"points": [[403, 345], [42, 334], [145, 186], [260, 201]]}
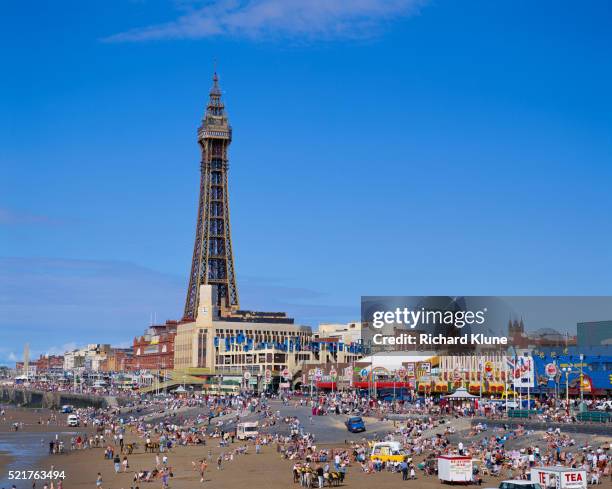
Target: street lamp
{"points": [[567, 371]]}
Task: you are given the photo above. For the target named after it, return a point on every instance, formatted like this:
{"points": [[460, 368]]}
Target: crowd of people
{"points": [[425, 429]]}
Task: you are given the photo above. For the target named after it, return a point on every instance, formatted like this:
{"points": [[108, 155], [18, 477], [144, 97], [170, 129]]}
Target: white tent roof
{"points": [[461, 393], [393, 360]]}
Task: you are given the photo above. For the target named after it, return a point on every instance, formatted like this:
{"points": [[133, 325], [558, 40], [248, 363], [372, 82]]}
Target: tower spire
{"points": [[215, 105], [213, 260]]}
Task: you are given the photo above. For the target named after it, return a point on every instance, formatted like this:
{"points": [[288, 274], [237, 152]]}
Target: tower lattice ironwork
{"points": [[213, 260]]}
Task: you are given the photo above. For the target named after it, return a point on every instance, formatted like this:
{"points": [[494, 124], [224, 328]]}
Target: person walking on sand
{"points": [[220, 462], [165, 476], [117, 463], [203, 467], [99, 481]]}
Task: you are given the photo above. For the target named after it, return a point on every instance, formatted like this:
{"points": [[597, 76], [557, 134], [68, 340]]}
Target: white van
{"points": [[73, 420], [248, 429], [559, 477]]}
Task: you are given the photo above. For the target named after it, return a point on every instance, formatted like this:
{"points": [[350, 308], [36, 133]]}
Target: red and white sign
{"points": [[455, 469], [286, 374], [523, 371], [559, 478], [551, 370]]}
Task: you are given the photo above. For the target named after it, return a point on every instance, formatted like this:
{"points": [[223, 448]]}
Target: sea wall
{"points": [[52, 400], [604, 429]]}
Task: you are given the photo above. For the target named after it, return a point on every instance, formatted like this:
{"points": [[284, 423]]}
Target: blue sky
{"points": [[380, 147]]}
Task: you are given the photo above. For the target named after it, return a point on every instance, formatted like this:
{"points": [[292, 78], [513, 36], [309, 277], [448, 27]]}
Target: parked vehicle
{"points": [[73, 420], [559, 477], [455, 468], [519, 484], [388, 451], [355, 424], [248, 429]]}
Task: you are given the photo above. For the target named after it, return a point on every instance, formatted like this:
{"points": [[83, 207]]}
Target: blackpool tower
{"points": [[213, 260]]}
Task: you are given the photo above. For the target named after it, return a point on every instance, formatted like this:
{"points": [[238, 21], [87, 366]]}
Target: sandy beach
{"points": [[261, 471], [32, 420], [266, 470]]}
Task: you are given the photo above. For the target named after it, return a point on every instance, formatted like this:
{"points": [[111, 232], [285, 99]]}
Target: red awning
{"points": [[384, 385]]}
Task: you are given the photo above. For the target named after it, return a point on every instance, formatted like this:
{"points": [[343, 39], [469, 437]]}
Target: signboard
{"points": [[333, 372], [247, 375], [551, 370], [523, 371], [318, 374], [348, 373], [488, 369], [286, 374], [423, 368], [402, 373], [586, 383], [284, 385], [268, 376], [410, 370], [559, 478]]}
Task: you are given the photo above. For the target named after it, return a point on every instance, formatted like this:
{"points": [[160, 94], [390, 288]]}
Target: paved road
{"points": [[331, 428]]}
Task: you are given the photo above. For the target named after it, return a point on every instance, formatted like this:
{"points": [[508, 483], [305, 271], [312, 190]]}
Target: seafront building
{"points": [[253, 342], [88, 358]]}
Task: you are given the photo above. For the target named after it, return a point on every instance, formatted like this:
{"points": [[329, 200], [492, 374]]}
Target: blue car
{"points": [[355, 425]]}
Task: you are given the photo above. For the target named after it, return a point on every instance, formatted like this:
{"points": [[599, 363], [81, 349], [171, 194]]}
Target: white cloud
{"points": [[60, 350], [260, 19]]}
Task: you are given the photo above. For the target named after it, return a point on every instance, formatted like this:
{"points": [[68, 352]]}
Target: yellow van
{"points": [[388, 451]]}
